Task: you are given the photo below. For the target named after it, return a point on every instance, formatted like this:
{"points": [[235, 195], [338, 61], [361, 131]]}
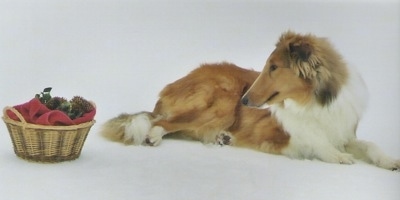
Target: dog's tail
{"points": [[129, 128]]}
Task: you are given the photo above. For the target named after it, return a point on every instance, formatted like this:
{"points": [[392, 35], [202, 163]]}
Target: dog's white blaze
{"points": [[138, 128], [323, 131]]}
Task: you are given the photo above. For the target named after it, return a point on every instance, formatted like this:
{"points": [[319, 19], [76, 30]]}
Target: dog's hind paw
{"points": [[224, 138], [152, 141], [154, 138]]}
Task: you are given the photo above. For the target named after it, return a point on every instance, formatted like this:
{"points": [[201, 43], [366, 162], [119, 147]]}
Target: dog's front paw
{"points": [[346, 159], [224, 138], [388, 163], [396, 167]]}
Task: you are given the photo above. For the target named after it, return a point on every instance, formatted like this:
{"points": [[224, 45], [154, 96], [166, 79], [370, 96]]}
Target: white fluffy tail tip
{"points": [[128, 128], [138, 128]]}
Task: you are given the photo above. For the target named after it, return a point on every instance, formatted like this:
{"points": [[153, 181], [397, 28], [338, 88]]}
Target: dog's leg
{"points": [[371, 153], [318, 149]]}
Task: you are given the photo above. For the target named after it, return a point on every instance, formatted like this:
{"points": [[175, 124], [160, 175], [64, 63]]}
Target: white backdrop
{"points": [[121, 53]]}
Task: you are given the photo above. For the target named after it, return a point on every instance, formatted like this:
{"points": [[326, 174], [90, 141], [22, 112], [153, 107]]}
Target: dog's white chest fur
{"points": [[323, 131]]}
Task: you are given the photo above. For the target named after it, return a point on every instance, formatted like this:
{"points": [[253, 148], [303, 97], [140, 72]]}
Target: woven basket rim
{"points": [[25, 124]]}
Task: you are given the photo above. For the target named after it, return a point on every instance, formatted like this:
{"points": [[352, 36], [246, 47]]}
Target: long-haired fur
{"points": [[314, 59], [314, 101]]}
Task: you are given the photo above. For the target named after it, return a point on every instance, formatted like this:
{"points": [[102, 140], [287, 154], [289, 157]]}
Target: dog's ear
{"points": [[301, 50]]}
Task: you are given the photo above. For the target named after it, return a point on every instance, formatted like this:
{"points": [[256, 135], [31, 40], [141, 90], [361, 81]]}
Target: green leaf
{"points": [[46, 97], [48, 89]]}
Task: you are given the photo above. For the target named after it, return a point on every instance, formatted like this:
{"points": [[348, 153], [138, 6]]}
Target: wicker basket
{"points": [[47, 144]]}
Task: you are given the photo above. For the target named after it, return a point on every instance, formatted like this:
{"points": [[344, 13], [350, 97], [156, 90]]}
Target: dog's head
{"points": [[302, 68]]}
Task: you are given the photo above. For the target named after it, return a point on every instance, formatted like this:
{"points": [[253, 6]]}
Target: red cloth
{"points": [[35, 112]]}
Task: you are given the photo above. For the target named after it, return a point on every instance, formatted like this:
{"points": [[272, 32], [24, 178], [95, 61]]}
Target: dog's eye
{"points": [[273, 68]]}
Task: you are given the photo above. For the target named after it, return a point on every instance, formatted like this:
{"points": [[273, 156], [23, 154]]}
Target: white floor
{"points": [[121, 53]]}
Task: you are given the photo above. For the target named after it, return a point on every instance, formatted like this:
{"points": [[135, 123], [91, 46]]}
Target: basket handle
{"points": [[15, 111]]}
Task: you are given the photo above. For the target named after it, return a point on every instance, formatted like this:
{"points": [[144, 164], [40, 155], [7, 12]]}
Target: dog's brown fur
{"points": [[206, 102]]}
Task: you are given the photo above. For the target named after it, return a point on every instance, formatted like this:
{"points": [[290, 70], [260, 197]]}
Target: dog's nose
{"points": [[245, 100]]}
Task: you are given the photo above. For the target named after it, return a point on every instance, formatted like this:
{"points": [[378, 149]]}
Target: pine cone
{"points": [[55, 102], [76, 109], [79, 103]]}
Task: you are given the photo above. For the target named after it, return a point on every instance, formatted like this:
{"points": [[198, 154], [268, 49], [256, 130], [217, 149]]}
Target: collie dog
{"points": [[305, 104]]}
